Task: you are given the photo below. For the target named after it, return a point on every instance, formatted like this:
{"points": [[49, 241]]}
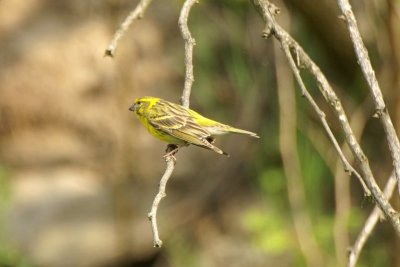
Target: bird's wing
{"points": [[182, 127], [185, 128]]}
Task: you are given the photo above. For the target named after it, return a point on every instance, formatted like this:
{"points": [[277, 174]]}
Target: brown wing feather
{"points": [[177, 122]]}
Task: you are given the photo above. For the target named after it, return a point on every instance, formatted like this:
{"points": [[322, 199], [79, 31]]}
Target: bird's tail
{"points": [[240, 131]]}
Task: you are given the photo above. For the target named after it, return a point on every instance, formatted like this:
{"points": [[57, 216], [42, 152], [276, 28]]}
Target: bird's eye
{"points": [[138, 103]]}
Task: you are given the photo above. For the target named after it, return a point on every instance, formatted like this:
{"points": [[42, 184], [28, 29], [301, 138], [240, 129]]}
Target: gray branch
{"points": [[160, 195], [268, 11], [313, 255], [137, 13], [370, 224], [189, 44], [170, 159], [369, 74], [347, 166]]}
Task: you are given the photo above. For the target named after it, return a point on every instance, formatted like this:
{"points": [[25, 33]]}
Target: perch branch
{"points": [[189, 43], [370, 224], [137, 13], [380, 108], [160, 195], [267, 11]]}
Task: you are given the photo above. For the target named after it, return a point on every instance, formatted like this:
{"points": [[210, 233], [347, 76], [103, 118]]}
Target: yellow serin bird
{"points": [[178, 125]]}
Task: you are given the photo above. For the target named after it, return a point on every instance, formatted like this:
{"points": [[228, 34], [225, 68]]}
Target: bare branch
{"points": [[347, 166], [369, 74], [160, 195], [189, 43], [370, 224], [288, 43], [358, 122], [137, 13]]}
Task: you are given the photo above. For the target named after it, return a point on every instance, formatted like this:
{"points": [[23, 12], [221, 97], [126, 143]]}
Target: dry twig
{"points": [[382, 113], [358, 121], [137, 13], [189, 43], [291, 163], [369, 74], [161, 194], [267, 11], [370, 224], [347, 166]]}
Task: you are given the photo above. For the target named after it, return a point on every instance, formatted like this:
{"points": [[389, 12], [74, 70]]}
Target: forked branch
{"points": [[268, 11], [170, 159], [380, 108], [369, 225]]}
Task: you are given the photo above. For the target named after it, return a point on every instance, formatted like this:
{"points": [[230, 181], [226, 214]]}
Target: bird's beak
{"points": [[132, 108]]}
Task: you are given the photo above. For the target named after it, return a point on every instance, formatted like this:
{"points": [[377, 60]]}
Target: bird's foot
{"points": [[210, 139], [171, 151]]}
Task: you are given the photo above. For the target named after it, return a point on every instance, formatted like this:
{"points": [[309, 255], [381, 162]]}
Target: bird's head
{"points": [[143, 104]]}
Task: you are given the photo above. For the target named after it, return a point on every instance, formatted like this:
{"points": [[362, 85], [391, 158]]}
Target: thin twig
{"points": [[291, 164], [370, 224], [358, 122], [342, 183], [267, 11], [189, 43], [347, 166], [160, 195], [369, 74], [137, 13]]}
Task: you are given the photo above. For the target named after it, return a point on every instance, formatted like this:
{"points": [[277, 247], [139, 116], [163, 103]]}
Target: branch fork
{"points": [[170, 159], [367, 179]]}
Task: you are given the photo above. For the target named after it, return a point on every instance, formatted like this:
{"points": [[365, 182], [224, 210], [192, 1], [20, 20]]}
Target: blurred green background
{"points": [[78, 173]]}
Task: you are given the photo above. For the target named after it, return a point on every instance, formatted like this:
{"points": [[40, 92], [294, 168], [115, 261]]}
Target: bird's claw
{"points": [[171, 151]]}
